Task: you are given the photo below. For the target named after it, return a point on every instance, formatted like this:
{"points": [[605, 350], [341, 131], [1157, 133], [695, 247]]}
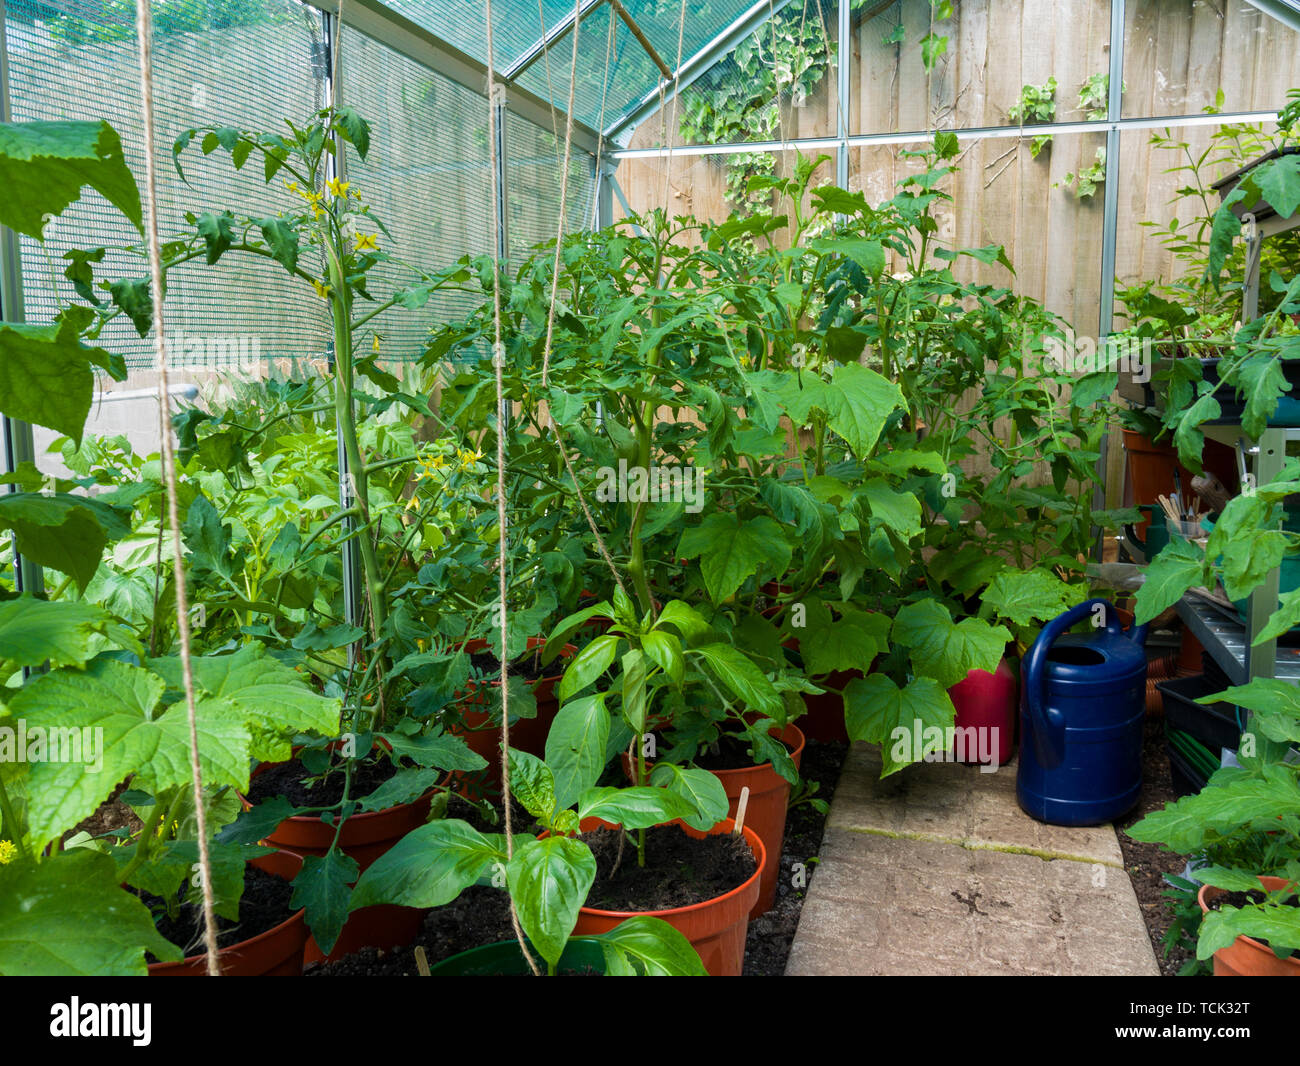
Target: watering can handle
{"points": [[1048, 724], [1135, 542]]}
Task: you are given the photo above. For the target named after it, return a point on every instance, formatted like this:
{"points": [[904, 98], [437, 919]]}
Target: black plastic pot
{"points": [[1213, 725]]}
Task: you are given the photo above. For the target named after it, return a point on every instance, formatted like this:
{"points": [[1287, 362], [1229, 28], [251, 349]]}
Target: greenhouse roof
{"points": [[632, 54]]}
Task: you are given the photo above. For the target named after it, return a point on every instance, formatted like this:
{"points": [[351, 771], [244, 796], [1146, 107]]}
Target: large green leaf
{"points": [[65, 533], [946, 651], [703, 790], [47, 375], [68, 916], [849, 642], [441, 752], [110, 712], [549, 880], [45, 165], [575, 747], [430, 866], [649, 947], [637, 807], [745, 681], [1027, 597], [859, 401], [1283, 619], [35, 631], [732, 549], [273, 699], [587, 665], [324, 888], [1189, 824], [869, 255], [1275, 703], [532, 784], [908, 723], [900, 511], [1276, 923], [1179, 567]]}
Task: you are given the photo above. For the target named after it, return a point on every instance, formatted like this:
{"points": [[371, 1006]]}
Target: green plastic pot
{"points": [[504, 959]]}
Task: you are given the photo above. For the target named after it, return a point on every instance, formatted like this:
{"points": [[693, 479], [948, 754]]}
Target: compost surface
{"points": [[289, 779], [263, 906], [680, 870]]}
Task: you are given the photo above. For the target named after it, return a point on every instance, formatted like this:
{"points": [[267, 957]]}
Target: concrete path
{"points": [[936, 870]]}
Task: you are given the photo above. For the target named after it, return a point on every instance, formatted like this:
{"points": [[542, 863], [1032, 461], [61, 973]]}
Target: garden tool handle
{"points": [[1049, 726]]}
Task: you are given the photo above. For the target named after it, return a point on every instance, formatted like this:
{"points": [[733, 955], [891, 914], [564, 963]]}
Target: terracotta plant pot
{"points": [[526, 734], [504, 959], [276, 953], [1247, 957], [716, 928], [769, 799], [365, 838]]}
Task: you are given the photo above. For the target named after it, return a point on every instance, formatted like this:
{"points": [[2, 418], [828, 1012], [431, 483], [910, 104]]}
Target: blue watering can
{"points": [[1082, 705]]}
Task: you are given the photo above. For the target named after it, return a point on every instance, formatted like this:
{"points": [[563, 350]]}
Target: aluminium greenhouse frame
{"points": [[607, 147]]}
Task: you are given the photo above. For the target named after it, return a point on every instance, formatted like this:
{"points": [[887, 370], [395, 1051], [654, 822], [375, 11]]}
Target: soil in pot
{"points": [[715, 927], [679, 870], [266, 941], [263, 906], [290, 779]]}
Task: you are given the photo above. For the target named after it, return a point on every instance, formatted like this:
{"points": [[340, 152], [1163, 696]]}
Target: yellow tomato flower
{"points": [[413, 503], [366, 243], [323, 291], [336, 187], [7, 852], [374, 343], [468, 458]]}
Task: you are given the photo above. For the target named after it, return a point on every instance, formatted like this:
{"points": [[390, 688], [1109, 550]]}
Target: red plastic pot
{"points": [[1247, 957], [769, 800], [365, 837], [276, 953], [716, 928], [986, 703]]}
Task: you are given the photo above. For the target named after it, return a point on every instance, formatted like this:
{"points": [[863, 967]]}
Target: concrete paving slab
{"points": [[935, 870]]}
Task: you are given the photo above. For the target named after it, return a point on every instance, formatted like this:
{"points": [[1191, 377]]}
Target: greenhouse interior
{"points": [[649, 488]]}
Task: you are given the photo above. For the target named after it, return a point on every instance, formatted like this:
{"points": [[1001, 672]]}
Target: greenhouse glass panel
{"points": [[533, 188], [979, 63], [79, 60], [427, 177], [1183, 56]]}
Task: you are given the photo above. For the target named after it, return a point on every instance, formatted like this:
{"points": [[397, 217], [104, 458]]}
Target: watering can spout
{"points": [[1138, 635]]}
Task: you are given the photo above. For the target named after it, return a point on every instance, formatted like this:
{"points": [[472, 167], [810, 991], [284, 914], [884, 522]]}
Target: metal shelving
{"points": [[1225, 640]]}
